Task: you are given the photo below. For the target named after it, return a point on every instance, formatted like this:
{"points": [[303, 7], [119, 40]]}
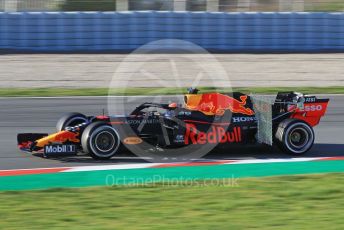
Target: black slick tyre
{"points": [[294, 137], [70, 120], [100, 140]]}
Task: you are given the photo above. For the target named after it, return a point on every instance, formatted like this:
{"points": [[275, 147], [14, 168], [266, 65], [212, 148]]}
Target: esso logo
{"points": [[312, 108]]}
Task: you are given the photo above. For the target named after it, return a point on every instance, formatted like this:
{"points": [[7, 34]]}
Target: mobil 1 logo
{"points": [[56, 150]]}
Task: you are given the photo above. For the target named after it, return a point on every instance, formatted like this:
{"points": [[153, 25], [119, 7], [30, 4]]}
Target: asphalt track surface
{"points": [[20, 115]]}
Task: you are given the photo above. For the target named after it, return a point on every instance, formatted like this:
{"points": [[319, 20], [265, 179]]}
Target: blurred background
{"points": [[79, 43], [173, 5]]}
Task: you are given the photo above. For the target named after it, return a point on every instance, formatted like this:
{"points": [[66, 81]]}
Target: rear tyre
{"points": [[70, 120], [100, 140], [294, 137]]}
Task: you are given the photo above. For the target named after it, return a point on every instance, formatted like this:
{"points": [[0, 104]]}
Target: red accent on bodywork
{"points": [[116, 122], [173, 105], [215, 134], [25, 145], [101, 117], [311, 113]]}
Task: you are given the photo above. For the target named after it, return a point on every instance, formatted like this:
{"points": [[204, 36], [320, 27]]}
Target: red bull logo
{"points": [[217, 104], [217, 135], [65, 136], [60, 137]]}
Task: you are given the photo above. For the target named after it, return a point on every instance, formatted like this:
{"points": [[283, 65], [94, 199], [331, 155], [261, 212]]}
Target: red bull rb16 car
{"points": [[209, 119]]}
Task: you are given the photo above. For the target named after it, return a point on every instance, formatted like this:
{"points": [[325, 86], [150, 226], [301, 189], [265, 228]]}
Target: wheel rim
{"points": [[104, 141], [298, 137]]}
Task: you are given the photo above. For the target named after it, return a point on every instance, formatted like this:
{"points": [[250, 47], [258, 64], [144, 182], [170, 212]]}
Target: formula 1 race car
{"points": [[209, 119]]}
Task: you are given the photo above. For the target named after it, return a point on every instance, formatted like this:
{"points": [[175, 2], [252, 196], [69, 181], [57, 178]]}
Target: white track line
{"points": [[172, 164], [111, 167], [175, 164], [260, 161]]}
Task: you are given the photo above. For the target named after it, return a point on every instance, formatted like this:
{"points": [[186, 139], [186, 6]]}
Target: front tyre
{"points": [[294, 137], [70, 120], [100, 140]]}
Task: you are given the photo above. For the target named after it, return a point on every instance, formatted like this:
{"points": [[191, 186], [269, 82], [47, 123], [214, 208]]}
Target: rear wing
{"points": [[303, 107], [285, 105]]}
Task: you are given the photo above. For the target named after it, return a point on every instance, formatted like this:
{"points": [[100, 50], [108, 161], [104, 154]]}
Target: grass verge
{"points": [[288, 202], [55, 92]]}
